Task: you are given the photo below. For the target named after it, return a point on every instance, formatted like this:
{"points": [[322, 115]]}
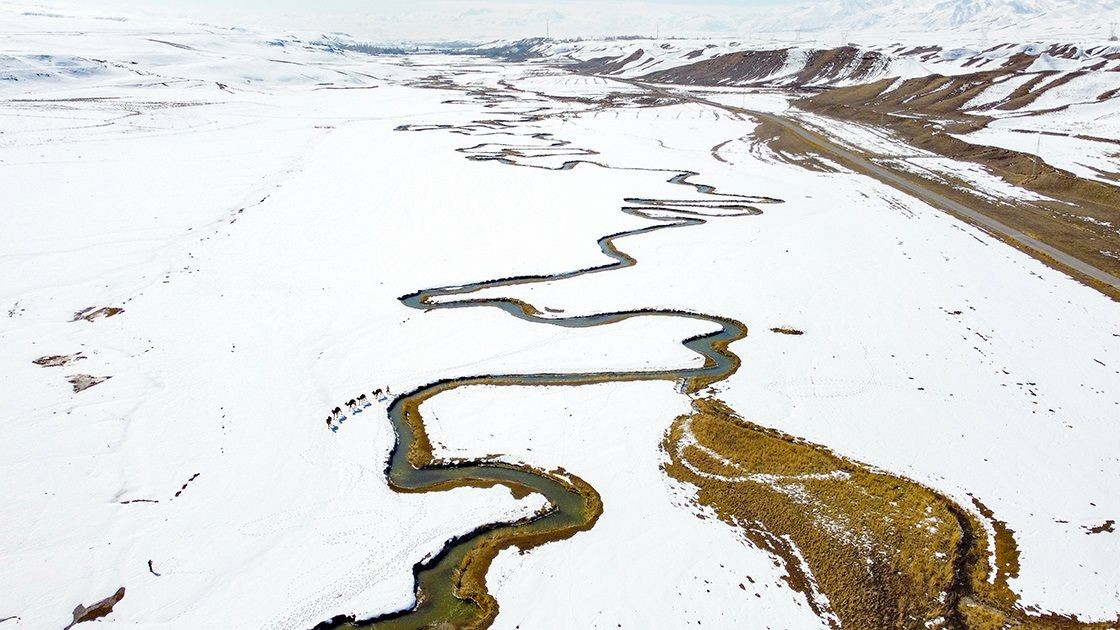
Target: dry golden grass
{"points": [[470, 576], [867, 537], [471, 582], [887, 552]]}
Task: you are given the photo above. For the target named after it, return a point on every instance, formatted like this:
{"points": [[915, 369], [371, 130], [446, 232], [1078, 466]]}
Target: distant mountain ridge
{"points": [[1042, 16]]}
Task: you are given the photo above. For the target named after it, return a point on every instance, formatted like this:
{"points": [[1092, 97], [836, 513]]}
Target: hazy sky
{"points": [[441, 19]]}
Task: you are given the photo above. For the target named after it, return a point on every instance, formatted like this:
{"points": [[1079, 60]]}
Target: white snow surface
{"points": [[245, 198]]}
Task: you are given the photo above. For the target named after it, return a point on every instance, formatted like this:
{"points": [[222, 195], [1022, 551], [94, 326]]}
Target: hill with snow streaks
{"points": [[731, 62]]}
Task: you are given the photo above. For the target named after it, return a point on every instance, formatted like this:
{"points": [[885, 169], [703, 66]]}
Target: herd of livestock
{"points": [[355, 405]]}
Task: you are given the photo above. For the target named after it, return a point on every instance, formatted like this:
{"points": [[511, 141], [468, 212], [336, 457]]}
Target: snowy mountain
{"points": [[1088, 17]]}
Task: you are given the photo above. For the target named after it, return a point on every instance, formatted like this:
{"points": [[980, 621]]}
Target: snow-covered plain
{"points": [[246, 199], [931, 350]]}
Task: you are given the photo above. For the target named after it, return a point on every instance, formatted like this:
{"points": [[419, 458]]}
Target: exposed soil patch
{"points": [[1108, 526], [58, 360], [93, 313], [785, 330], [747, 67], [97, 610], [82, 382]]}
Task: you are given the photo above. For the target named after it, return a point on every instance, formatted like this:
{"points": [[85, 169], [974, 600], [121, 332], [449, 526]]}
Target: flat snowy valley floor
{"points": [[249, 202]]}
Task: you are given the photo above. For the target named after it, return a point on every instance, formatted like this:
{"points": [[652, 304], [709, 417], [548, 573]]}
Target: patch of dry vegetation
{"points": [[885, 551], [866, 537]]}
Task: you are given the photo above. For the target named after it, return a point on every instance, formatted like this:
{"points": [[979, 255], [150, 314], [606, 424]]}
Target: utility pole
{"points": [[658, 31], [547, 29], [1112, 32]]}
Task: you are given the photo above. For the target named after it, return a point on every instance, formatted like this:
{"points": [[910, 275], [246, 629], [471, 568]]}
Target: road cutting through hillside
{"points": [[861, 164]]}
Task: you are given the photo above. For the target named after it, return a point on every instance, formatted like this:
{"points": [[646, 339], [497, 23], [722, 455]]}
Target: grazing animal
{"points": [[363, 401], [336, 413], [377, 393], [351, 405], [329, 419]]}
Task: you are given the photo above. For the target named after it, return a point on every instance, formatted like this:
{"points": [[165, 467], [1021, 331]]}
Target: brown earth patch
{"points": [[760, 66], [92, 313], [786, 330], [96, 610], [1108, 527]]}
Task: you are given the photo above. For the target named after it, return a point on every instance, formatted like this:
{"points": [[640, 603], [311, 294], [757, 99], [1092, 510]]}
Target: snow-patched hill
{"points": [[1068, 91], [779, 63]]}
